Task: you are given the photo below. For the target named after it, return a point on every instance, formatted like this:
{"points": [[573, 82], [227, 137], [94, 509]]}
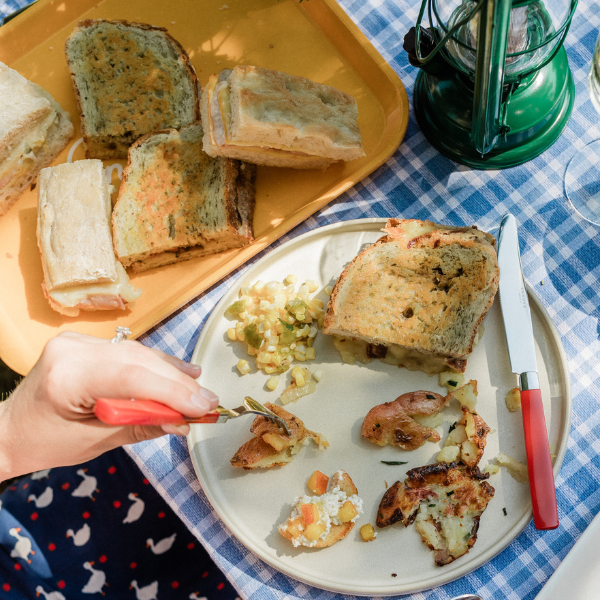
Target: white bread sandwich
{"points": [[177, 203], [415, 298], [129, 79], [75, 241], [272, 118], [33, 130]]}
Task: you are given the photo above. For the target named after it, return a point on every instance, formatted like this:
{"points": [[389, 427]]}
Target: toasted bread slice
{"points": [[340, 482], [445, 501], [33, 130], [130, 79], [271, 446], [416, 297], [272, 118], [177, 203]]}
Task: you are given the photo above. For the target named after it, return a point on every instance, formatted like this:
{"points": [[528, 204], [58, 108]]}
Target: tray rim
{"points": [[520, 525], [19, 353]]}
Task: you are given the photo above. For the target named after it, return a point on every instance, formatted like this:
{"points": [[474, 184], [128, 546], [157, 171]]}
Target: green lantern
{"points": [[495, 89]]}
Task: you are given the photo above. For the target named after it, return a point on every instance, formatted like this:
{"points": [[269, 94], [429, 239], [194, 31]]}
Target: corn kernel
{"points": [[299, 356], [231, 334], [269, 369], [264, 357], [312, 285], [291, 279], [328, 290], [243, 366], [299, 379], [257, 288], [272, 383], [318, 374], [297, 370], [311, 354]]}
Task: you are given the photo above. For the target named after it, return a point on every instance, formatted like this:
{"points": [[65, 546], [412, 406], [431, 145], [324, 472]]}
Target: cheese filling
{"points": [[329, 505], [24, 152], [352, 350], [72, 296]]}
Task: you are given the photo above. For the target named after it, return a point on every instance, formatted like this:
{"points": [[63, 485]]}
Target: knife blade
{"points": [[521, 351]]}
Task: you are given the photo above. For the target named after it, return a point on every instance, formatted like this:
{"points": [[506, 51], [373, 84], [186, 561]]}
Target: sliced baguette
{"points": [[417, 296], [130, 79], [177, 203]]}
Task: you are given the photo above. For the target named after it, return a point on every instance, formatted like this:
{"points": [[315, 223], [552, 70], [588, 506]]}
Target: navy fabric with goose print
{"points": [[99, 529]]}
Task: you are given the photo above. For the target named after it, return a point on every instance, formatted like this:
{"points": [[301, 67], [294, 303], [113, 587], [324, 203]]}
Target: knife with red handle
{"points": [[521, 351], [114, 411]]}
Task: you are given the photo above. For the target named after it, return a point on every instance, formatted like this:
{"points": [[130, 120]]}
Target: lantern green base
{"points": [[536, 114]]}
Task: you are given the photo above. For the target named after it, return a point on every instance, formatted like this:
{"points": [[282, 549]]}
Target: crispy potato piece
{"points": [[271, 447], [342, 480], [445, 501], [468, 438], [392, 423]]}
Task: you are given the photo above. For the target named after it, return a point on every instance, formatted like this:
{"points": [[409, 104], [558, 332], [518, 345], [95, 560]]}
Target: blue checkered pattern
{"points": [[561, 261]]}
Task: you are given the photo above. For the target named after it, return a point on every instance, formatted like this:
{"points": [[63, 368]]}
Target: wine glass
{"points": [[582, 179]]}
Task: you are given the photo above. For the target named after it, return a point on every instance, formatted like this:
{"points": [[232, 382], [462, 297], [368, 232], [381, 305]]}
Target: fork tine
{"points": [[256, 407]]}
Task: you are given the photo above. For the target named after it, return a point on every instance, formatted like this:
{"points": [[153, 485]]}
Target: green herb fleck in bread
{"points": [[130, 79], [176, 202], [416, 297]]}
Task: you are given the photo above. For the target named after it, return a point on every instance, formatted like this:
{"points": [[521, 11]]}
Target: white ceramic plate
{"points": [[253, 503]]}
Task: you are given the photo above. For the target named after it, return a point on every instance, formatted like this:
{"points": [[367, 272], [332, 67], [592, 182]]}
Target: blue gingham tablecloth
{"points": [[558, 248]]}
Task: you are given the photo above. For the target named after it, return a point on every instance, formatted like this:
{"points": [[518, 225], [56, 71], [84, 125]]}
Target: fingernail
{"points": [[205, 399]]}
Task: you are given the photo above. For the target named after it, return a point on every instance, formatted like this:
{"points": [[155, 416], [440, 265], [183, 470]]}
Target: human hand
{"points": [[49, 419]]}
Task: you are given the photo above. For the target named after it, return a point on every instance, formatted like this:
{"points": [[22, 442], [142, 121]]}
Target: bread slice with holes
{"points": [[130, 79], [416, 297], [272, 118], [177, 203], [34, 128]]}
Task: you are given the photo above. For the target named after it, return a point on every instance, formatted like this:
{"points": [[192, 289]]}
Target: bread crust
{"points": [[113, 139], [433, 285]]}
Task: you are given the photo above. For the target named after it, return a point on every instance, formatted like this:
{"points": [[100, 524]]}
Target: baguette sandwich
{"points": [[416, 297], [129, 79], [177, 203], [272, 118], [33, 130], [75, 242]]}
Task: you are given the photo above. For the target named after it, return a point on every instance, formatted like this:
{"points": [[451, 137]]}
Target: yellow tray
{"points": [[314, 39]]}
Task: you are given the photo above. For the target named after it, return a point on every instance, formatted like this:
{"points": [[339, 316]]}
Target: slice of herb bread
{"points": [[416, 297], [176, 202], [130, 79]]}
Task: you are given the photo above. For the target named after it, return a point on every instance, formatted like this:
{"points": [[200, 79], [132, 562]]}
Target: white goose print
{"points": [[44, 499], [80, 537], [87, 487], [162, 546], [40, 474], [147, 592], [96, 582], [135, 510], [39, 590], [23, 547], [194, 596]]}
